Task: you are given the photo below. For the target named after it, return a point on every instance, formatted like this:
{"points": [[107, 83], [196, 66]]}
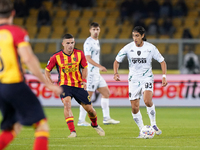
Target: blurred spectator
{"points": [[153, 28], [33, 4], [125, 10], [187, 34], [190, 62], [153, 8], [140, 22], [167, 27], [180, 9], [137, 9], [166, 9], [20, 8], [43, 17]]}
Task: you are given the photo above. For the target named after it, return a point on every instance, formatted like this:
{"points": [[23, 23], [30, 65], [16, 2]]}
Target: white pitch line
{"points": [[111, 146]]}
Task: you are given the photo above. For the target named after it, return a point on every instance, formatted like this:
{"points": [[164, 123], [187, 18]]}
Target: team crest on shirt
{"points": [[74, 58], [139, 53]]}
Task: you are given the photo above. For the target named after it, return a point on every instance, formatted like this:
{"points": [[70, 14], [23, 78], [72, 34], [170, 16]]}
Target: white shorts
{"points": [[136, 88], [95, 81]]}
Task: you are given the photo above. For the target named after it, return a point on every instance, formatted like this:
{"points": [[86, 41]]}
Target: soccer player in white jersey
{"points": [[94, 80], [139, 54]]}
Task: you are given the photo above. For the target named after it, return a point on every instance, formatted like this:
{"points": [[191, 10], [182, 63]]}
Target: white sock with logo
{"points": [[82, 114], [138, 119], [152, 114], [105, 107]]}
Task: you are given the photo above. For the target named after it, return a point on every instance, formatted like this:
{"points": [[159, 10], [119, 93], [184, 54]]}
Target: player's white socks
{"points": [[152, 114], [105, 107], [138, 119], [82, 114]]}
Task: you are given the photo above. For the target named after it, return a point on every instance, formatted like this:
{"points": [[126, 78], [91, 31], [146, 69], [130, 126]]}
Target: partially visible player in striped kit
{"points": [[140, 54], [72, 68], [18, 104]]}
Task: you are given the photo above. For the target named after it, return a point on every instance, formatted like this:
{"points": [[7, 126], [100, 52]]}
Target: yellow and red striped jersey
{"points": [[11, 38], [68, 67]]}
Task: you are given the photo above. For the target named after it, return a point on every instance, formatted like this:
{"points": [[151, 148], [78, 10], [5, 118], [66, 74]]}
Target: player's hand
{"points": [[164, 82], [102, 68], [116, 77], [84, 85], [54, 88]]}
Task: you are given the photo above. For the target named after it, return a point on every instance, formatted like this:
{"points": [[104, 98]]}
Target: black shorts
{"points": [[79, 94], [19, 104]]}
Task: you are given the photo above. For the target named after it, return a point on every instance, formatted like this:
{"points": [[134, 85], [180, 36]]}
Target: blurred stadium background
{"points": [[114, 34]]}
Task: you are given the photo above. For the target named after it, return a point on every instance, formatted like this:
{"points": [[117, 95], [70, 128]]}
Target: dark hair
{"points": [[67, 36], [140, 30], [94, 24], [6, 7]]}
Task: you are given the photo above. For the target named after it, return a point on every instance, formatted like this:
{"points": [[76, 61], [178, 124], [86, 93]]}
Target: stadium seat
{"points": [[195, 31], [118, 47], [173, 49], [106, 48], [164, 37], [110, 4], [58, 32], [113, 13], [112, 32], [44, 32], [48, 4], [177, 22], [110, 22], [100, 13], [197, 49], [31, 21], [33, 12], [179, 33], [79, 46], [189, 22], [61, 14], [84, 32], [51, 48], [74, 13], [32, 31], [84, 22], [126, 32], [103, 31], [73, 30], [100, 21], [88, 13], [39, 47], [161, 47], [57, 22], [18, 21], [100, 3], [151, 37], [71, 22]]}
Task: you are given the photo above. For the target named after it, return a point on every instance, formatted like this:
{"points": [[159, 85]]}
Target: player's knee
{"points": [[148, 103], [41, 125], [17, 127], [90, 110]]}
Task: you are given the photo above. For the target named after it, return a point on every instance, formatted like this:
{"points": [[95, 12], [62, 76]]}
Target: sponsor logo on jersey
{"points": [[74, 58], [132, 51], [139, 60]]}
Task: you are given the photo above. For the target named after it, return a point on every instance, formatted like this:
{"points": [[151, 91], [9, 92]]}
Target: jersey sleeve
{"points": [[21, 37], [51, 63], [157, 56], [121, 55], [87, 47], [83, 60]]}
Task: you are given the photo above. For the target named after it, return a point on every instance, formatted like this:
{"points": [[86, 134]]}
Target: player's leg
{"points": [[69, 118], [151, 110], [105, 104], [41, 135], [83, 113], [137, 116], [93, 117]]}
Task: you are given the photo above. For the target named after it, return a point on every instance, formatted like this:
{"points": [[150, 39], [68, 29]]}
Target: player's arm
{"points": [[48, 76], [115, 68], [164, 71], [91, 61], [33, 65], [84, 77]]}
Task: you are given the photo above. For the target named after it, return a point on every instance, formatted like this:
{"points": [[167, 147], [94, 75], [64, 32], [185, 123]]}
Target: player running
{"points": [[69, 62], [139, 54]]}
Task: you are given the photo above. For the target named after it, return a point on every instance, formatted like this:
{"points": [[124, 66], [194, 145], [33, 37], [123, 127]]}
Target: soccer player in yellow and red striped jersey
{"points": [[71, 65], [17, 102]]}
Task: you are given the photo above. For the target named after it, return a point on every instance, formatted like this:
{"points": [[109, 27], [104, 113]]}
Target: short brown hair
{"points": [[6, 7], [94, 24]]}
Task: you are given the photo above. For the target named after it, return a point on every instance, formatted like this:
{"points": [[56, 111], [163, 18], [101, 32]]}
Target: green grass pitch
{"points": [[180, 127]]}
